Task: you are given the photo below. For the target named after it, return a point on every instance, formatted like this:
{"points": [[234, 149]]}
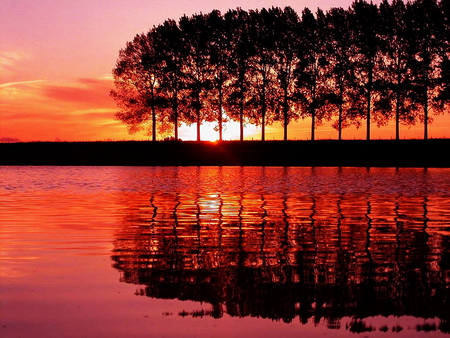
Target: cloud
{"points": [[9, 61], [85, 92], [4, 139], [19, 83], [96, 113], [18, 93], [107, 77], [9, 58]]}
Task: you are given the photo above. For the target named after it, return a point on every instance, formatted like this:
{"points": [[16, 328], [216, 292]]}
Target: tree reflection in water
{"points": [[282, 256]]}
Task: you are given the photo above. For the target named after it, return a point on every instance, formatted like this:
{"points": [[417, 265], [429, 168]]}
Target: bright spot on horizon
{"points": [[231, 131]]}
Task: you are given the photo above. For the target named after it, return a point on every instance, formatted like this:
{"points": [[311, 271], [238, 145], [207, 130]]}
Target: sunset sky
{"points": [[56, 58]]}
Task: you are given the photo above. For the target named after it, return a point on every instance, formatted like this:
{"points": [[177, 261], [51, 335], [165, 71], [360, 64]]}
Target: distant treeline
{"points": [[367, 64]]}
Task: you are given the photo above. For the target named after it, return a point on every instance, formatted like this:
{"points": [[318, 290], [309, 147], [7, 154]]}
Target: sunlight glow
{"points": [[208, 132]]}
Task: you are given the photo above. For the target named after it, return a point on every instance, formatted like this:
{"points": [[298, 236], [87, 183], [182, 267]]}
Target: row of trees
{"points": [[369, 63]]}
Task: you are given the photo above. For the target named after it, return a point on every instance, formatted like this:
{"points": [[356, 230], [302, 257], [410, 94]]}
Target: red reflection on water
{"points": [[295, 245]]}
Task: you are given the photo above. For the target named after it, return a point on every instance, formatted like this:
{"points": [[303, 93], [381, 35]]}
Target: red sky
{"points": [[56, 58]]}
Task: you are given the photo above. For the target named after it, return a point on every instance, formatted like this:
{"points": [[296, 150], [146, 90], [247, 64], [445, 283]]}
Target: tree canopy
{"points": [[362, 65]]}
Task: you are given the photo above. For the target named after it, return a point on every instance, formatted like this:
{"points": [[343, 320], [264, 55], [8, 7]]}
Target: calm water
{"points": [[224, 252]]}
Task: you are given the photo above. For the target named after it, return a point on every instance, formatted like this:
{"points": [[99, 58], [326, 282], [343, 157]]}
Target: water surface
{"points": [[224, 252]]}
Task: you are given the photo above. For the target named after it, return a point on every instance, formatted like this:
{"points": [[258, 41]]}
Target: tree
{"points": [[313, 90], [398, 97], [444, 87], [137, 90], [342, 68], [196, 38], [366, 47], [262, 101], [219, 52], [237, 22], [286, 47], [168, 44], [428, 23]]}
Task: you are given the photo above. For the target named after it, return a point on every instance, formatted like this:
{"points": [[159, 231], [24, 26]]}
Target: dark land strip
{"points": [[348, 153]]}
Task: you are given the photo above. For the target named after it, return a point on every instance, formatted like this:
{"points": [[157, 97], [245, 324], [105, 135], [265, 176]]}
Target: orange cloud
{"points": [[18, 83], [9, 61], [85, 92]]}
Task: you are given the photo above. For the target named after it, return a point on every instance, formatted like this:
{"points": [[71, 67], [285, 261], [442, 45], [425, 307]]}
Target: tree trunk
{"points": [[341, 96], [425, 116], [285, 115], [397, 117], [176, 123], [397, 103], [263, 114], [199, 123], [241, 105], [175, 118], [263, 126], [153, 123], [425, 103], [220, 113], [241, 122], [369, 101], [313, 109]]}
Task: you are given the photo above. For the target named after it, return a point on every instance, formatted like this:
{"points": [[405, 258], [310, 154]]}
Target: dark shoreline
{"points": [[328, 153]]}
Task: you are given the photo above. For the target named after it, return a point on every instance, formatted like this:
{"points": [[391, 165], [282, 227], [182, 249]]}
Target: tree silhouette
{"points": [[169, 45], [137, 90], [399, 97], [342, 68], [262, 101], [313, 91], [427, 21], [286, 58], [443, 97], [241, 50], [196, 68], [366, 56], [219, 58]]}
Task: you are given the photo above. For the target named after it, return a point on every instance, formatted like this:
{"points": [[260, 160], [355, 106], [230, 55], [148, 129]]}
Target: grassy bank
{"points": [[376, 153]]}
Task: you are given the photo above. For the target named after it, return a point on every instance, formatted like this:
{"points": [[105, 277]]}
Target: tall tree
{"points": [[342, 68], [366, 44], [428, 21], [313, 75], [241, 49], [219, 52], [137, 92], [196, 38], [444, 88], [286, 56], [263, 97], [169, 46], [397, 95]]}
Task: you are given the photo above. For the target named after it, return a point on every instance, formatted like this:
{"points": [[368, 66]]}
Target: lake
{"points": [[224, 252]]}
